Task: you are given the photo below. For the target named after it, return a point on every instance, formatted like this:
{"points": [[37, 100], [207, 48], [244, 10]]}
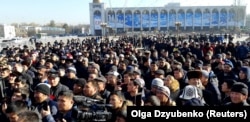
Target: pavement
{"points": [[64, 39]]}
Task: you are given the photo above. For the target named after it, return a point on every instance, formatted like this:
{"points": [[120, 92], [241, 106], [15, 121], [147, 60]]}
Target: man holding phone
{"points": [[43, 103]]}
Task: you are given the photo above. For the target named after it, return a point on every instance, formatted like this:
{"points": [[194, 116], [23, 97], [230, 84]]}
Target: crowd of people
{"points": [[41, 84]]}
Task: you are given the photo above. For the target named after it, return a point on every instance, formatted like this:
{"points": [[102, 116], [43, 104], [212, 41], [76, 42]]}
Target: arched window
{"points": [[154, 19], [137, 19], [189, 18], [164, 18], [197, 18], [97, 18], [172, 18], [120, 19], [206, 18], [145, 19], [215, 17], [128, 19]]}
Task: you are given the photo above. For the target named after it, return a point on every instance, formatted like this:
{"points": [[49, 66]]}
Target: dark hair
{"points": [[125, 62], [129, 73], [94, 83], [6, 69], [122, 114], [69, 94], [153, 100], [24, 92], [119, 94], [29, 116], [136, 82], [27, 62], [21, 79], [207, 64], [16, 107]]}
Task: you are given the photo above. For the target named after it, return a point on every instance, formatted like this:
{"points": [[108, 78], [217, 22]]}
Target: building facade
{"points": [[7, 31], [50, 31], [164, 18]]}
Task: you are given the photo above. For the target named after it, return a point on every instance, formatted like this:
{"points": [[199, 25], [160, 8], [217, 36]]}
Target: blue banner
{"points": [[197, 19], [189, 19], [232, 20], [120, 20], [181, 18], [137, 20], [206, 19], [223, 19], [145, 20], [111, 20], [231, 17], [215, 19], [154, 20], [172, 19], [164, 20], [97, 21], [128, 20]]}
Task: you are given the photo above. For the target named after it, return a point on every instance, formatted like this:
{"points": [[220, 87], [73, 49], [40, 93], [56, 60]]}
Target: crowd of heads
{"points": [[40, 83]]}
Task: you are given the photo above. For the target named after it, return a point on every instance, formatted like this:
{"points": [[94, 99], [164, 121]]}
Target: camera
{"points": [[90, 110]]}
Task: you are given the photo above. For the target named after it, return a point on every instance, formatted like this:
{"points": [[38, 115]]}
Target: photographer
{"points": [[78, 86], [119, 103], [91, 90], [65, 104]]}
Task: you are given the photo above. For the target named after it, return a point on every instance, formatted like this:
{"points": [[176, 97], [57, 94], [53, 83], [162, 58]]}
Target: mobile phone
{"points": [[45, 106], [138, 99]]}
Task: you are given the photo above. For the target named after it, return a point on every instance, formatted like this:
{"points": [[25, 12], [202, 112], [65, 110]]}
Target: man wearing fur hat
{"points": [[194, 79]]}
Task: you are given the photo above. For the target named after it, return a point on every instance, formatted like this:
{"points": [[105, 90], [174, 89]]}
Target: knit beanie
{"points": [[43, 88]]}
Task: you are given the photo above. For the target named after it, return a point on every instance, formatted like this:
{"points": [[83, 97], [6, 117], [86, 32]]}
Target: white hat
{"points": [[189, 92], [157, 82], [121, 55]]}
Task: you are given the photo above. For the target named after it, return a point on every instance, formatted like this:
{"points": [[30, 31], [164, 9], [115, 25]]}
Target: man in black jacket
{"points": [[56, 86], [238, 95]]}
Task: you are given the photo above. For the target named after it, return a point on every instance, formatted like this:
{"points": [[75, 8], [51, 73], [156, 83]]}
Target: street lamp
{"points": [[177, 25], [113, 30], [103, 25], [108, 31], [156, 31], [141, 38]]}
